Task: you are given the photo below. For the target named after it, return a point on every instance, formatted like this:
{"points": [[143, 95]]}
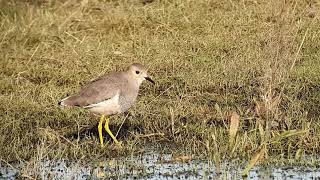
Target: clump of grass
{"points": [[209, 58]]}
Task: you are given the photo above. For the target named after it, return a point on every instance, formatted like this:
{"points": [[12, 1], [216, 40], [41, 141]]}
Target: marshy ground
{"points": [[234, 79]]}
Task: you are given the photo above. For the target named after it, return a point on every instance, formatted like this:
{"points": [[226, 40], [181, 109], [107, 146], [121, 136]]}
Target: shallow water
{"points": [[152, 166]]}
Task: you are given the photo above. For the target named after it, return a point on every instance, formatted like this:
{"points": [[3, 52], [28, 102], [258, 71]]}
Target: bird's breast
{"points": [[127, 101]]}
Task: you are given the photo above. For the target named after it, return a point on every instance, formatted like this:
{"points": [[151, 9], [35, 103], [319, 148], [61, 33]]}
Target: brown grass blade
{"points": [[254, 160], [234, 126]]}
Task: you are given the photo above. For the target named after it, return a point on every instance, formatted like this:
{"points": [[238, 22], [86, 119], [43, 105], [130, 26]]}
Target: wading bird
{"points": [[110, 94]]}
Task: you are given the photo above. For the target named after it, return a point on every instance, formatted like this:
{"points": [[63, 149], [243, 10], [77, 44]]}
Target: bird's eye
{"points": [[137, 72]]}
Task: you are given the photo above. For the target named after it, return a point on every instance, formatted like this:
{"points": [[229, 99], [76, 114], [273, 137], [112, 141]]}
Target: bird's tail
{"points": [[64, 102], [69, 101]]}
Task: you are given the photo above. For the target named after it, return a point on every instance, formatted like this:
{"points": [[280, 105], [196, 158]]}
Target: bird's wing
{"points": [[98, 90]]}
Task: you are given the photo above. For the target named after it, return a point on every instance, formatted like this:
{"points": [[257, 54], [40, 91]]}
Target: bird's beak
{"points": [[149, 79]]}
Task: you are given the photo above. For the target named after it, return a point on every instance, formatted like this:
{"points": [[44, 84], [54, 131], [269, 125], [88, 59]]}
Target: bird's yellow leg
{"points": [[106, 127], [100, 130]]}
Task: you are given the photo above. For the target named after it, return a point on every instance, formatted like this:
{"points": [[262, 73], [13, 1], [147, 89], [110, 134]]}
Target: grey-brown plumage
{"points": [[112, 93]]}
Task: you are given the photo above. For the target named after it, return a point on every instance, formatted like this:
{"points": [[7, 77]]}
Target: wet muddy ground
{"points": [[152, 165]]}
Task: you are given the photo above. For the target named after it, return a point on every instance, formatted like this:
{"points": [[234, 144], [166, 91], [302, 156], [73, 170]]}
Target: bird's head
{"points": [[139, 73]]}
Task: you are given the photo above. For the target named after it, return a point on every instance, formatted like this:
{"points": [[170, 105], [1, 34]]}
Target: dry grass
{"points": [[209, 58]]}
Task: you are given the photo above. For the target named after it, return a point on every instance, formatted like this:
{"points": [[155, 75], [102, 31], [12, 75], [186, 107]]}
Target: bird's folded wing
{"points": [[97, 91]]}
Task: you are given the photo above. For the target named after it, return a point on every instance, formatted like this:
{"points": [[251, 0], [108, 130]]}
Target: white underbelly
{"points": [[108, 107]]}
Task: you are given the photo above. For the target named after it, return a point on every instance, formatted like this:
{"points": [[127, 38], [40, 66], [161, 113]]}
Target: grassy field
{"points": [[210, 59]]}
